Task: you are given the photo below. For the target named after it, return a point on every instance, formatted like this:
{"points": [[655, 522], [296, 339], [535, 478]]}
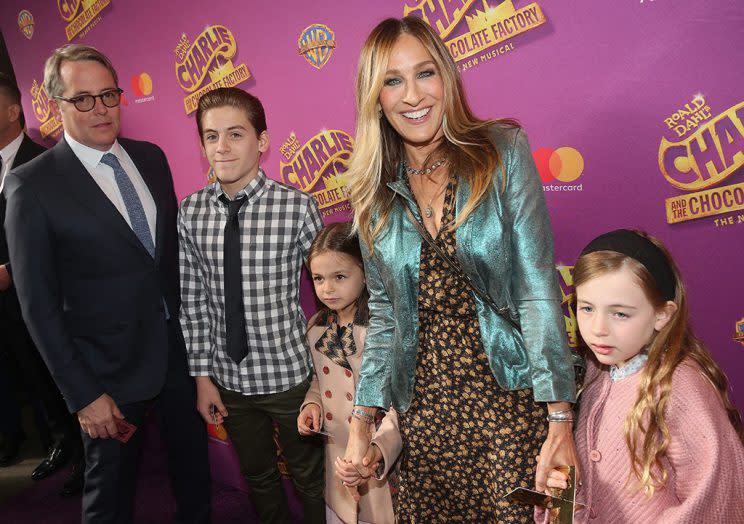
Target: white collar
{"points": [[89, 155], [630, 368], [12, 148]]}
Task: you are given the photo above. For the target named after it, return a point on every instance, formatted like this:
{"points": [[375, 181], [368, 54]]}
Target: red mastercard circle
{"points": [[142, 84], [564, 164]]}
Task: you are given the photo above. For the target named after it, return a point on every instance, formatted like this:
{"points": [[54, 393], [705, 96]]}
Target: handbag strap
{"points": [[455, 267]]}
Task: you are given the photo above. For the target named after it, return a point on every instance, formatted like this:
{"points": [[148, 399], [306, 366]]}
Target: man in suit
{"points": [[91, 227], [58, 431]]}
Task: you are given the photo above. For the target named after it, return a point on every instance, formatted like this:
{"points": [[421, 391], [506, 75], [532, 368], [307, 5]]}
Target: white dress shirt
{"points": [[8, 154], [104, 177]]}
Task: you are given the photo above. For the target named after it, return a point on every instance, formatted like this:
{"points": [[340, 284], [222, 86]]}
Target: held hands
{"points": [[558, 478], [309, 419], [208, 402], [97, 419], [352, 476], [558, 450], [357, 450]]}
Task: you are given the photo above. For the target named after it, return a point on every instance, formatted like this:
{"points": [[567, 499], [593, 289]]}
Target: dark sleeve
{"points": [[37, 282]]}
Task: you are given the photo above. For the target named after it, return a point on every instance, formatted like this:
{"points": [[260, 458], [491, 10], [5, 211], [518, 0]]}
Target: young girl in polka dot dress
{"points": [[336, 339]]}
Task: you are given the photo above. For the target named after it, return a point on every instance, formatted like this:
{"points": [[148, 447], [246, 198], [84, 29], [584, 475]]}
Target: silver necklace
{"points": [[429, 210], [418, 172]]}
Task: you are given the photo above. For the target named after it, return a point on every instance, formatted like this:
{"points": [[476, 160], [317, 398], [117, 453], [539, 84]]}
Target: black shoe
{"points": [[12, 449], [57, 458], [74, 483]]}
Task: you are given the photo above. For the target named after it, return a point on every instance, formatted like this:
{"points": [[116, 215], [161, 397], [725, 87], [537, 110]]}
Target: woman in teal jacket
{"points": [[473, 391]]}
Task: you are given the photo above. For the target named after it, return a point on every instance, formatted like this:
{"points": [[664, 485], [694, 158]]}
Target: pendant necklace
{"points": [[429, 211]]}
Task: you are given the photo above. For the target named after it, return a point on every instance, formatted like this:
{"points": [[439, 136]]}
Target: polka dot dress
{"points": [[467, 442]]}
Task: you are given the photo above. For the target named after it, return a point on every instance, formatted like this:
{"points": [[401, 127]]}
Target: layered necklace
{"points": [[429, 210], [426, 171]]}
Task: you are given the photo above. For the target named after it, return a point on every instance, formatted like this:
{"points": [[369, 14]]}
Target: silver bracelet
{"points": [[561, 416]]}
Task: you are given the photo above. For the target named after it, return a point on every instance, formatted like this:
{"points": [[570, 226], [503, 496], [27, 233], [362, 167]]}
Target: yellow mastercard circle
{"points": [[566, 164], [145, 84]]}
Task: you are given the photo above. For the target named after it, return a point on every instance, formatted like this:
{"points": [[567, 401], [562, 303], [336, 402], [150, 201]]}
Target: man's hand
{"points": [[207, 396], [97, 419], [5, 280]]}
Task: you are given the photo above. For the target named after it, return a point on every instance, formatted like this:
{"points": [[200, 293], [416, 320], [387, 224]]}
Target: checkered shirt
{"points": [[277, 226]]}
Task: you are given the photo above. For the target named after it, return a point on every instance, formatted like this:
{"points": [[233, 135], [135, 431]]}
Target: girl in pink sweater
{"points": [[658, 438], [336, 338]]}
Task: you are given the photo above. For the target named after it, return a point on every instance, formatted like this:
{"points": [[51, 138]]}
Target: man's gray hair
{"points": [[74, 53]]}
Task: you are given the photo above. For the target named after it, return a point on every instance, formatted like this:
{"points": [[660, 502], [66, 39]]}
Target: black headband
{"points": [[641, 249]]}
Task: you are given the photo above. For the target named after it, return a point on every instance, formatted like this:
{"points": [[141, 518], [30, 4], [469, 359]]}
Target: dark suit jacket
{"points": [[91, 295], [8, 299]]}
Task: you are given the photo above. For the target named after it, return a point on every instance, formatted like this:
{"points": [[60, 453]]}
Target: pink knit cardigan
{"points": [[705, 459]]}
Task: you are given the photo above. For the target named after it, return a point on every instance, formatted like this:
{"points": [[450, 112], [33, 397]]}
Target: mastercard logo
{"points": [[142, 84], [564, 164]]}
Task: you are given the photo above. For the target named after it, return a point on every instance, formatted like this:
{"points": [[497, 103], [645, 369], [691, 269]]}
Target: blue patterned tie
{"points": [[132, 202]]}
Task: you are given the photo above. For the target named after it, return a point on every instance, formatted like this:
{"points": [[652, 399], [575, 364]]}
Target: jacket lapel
{"points": [[85, 190]]}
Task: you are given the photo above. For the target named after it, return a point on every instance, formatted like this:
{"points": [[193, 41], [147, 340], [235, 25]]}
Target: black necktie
{"points": [[237, 341]]}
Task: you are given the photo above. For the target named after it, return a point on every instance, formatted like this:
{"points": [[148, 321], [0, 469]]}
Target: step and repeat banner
{"points": [[634, 108]]}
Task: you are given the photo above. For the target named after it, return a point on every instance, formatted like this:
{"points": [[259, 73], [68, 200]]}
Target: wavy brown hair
{"points": [[646, 431], [378, 148]]}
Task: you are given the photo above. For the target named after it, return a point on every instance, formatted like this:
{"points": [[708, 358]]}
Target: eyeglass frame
{"points": [[79, 98]]}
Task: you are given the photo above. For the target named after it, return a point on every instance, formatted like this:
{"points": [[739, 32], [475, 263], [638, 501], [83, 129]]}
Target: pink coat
{"points": [[705, 458], [332, 389]]}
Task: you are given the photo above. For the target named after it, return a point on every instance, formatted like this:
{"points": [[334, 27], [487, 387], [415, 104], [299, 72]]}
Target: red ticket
{"points": [[126, 430]]}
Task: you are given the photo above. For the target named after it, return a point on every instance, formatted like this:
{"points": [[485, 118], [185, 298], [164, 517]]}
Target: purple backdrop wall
{"points": [[634, 108]]}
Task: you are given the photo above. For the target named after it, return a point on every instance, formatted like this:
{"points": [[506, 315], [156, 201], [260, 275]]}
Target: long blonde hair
{"points": [[378, 148], [646, 431]]}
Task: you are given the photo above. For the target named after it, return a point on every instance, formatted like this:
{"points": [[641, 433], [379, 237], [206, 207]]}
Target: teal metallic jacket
{"points": [[506, 247]]}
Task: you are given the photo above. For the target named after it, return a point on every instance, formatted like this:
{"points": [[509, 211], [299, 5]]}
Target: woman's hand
{"points": [[360, 436], [372, 458], [207, 396], [309, 419], [558, 450], [352, 476]]}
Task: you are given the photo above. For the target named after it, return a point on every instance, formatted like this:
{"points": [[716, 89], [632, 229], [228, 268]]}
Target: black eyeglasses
{"points": [[85, 103]]}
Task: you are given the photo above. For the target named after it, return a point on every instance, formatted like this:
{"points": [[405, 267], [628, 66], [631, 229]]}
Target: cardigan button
{"points": [[329, 415], [349, 397], [326, 370], [347, 372], [328, 394], [595, 455]]}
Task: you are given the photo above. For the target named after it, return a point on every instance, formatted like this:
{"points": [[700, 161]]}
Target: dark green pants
{"points": [[250, 426]]}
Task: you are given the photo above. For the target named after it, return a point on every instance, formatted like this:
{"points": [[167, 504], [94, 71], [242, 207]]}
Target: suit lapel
{"points": [[24, 153], [85, 190], [28, 150], [148, 170]]}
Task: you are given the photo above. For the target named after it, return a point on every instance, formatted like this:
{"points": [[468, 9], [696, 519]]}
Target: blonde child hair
{"points": [[646, 431]]}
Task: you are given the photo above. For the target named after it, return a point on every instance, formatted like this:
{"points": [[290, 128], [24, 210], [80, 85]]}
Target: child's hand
{"points": [[208, 402], [558, 478], [351, 475], [309, 419]]}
